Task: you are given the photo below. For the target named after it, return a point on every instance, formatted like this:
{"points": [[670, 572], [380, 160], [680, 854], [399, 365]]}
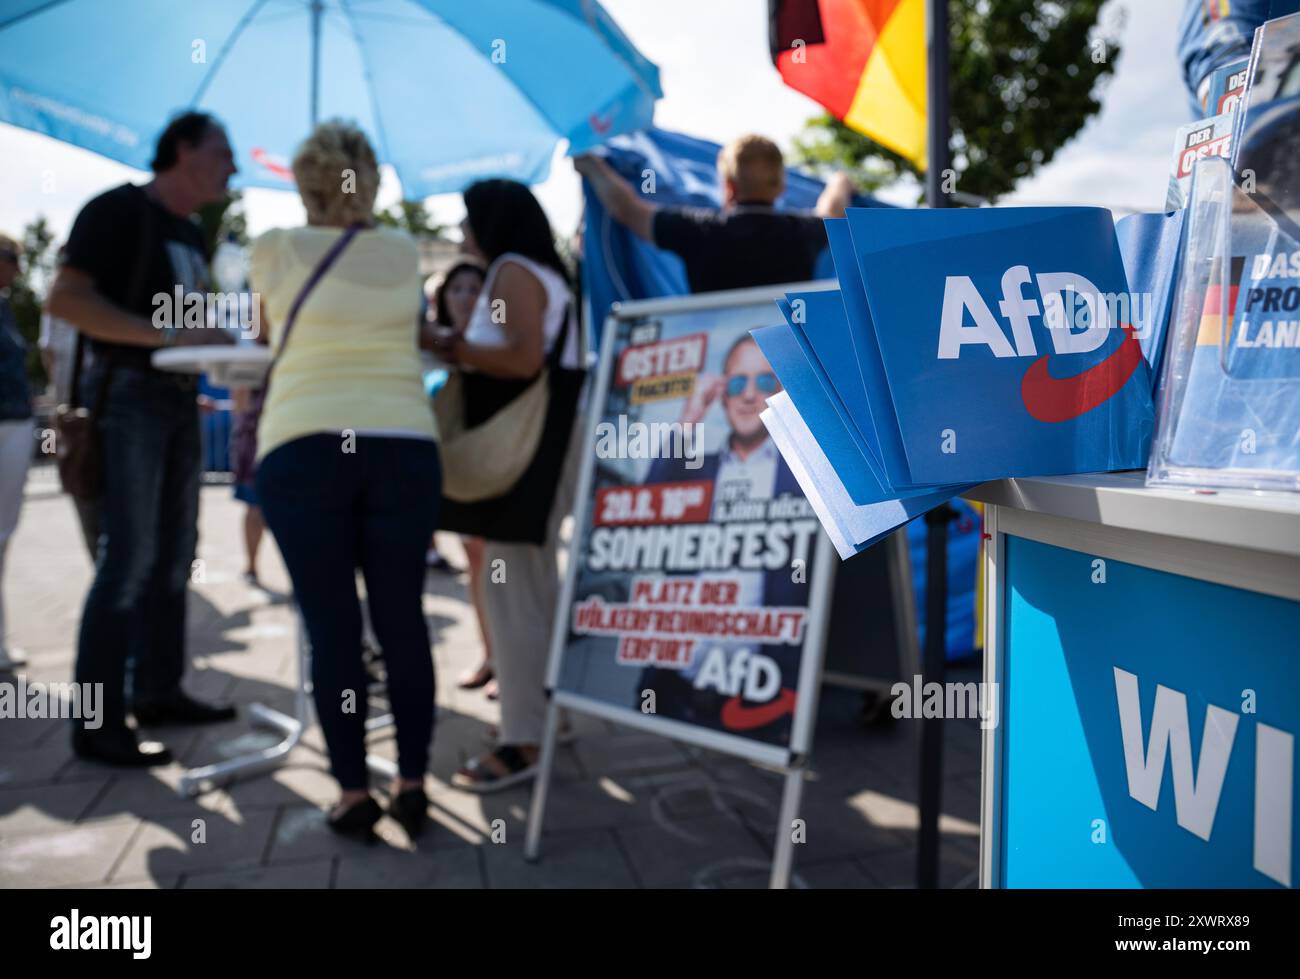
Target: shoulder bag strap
{"points": [[78, 356], [317, 274]]}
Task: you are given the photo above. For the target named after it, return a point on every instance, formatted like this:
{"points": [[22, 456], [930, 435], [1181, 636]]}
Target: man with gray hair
{"points": [[131, 249]]}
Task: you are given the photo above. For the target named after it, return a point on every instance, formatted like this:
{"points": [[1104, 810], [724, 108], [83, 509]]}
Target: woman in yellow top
{"points": [[348, 474]]}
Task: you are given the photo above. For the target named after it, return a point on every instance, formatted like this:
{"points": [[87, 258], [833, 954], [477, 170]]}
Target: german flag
{"points": [[1209, 333], [864, 60]]}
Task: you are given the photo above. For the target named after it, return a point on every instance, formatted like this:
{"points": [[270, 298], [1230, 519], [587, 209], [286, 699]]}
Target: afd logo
{"points": [[746, 676], [1196, 794], [1047, 397]]}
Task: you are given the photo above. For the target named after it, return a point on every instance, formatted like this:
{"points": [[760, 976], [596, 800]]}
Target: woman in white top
{"points": [[522, 321]]}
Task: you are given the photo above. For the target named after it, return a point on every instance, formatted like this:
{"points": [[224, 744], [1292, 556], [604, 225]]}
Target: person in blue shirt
{"points": [[1216, 32]]}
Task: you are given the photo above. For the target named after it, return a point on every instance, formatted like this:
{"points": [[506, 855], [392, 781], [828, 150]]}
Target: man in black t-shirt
{"points": [[129, 251], [746, 243]]}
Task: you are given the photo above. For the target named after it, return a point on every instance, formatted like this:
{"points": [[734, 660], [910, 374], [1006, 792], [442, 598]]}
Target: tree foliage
{"points": [[224, 220], [27, 294], [1025, 77], [412, 217]]}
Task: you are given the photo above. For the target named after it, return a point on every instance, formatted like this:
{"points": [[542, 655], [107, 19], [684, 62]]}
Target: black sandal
{"points": [[476, 680], [477, 777]]}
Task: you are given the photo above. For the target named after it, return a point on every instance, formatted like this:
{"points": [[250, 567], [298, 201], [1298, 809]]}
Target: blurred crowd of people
{"points": [[338, 451]]}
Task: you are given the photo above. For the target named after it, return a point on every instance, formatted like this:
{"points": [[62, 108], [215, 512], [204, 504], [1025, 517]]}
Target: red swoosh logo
{"points": [[1059, 399], [737, 717], [599, 125], [265, 159]]}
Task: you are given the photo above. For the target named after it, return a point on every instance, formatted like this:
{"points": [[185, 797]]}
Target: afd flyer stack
{"points": [[961, 346]]}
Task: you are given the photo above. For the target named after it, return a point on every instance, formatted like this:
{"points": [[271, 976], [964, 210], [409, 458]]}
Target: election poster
{"points": [[698, 582]]}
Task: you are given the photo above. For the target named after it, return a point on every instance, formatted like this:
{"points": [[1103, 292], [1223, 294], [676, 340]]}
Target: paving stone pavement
{"points": [[626, 809]]}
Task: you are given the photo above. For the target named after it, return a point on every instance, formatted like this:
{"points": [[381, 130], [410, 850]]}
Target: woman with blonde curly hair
{"points": [[348, 467]]}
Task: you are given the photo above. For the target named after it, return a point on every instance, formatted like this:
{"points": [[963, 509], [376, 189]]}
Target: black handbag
{"points": [[78, 450], [77, 443], [521, 515]]}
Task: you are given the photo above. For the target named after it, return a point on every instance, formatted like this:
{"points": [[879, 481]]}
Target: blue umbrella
{"points": [[449, 90]]}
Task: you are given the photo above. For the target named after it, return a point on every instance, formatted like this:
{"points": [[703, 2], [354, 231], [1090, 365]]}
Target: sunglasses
{"points": [[9, 254], [764, 382]]}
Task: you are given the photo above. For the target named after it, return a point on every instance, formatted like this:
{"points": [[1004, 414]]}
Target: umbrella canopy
{"points": [[449, 90]]}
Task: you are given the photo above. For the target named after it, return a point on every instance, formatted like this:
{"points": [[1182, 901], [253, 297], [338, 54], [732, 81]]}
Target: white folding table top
{"points": [[1237, 518], [238, 365]]}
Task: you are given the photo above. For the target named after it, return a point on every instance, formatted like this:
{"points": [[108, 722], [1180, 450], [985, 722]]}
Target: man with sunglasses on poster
{"points": [[746, 468], [747, 472], [748, 242]]}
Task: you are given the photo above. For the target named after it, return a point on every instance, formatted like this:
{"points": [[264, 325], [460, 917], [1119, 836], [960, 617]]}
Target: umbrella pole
{"points": [[936, 576], [938, 135], [317, 7]]}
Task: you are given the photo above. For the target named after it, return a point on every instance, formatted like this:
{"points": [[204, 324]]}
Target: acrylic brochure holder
{"points": [[1229, 412]]}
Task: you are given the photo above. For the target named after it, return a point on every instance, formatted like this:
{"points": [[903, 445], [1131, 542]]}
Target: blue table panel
{"points": [[1068, 816]]}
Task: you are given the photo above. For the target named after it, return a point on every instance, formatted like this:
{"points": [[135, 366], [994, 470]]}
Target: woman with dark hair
{"points": [[452, 296], [522, 322], [454, 293], [448, 300]]}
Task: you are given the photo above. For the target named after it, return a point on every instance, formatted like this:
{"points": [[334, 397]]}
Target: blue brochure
{"points": [[875, 385], [799, 378], [851, 527], [823, 331], [1151, 246], [823, 317]]}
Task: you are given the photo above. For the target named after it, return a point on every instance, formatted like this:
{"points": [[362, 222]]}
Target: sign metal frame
{"points": [[791, 760]]}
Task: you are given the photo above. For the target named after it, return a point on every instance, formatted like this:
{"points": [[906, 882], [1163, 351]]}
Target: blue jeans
{"points": [[135, 610], [333, 511]]}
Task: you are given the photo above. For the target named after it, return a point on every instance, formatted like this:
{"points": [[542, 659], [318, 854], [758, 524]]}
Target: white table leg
{"points": [[207, 777]]}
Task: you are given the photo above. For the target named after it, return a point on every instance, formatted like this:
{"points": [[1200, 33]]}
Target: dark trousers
{"points": [[333, 511], [88, 519], [135, 610]]}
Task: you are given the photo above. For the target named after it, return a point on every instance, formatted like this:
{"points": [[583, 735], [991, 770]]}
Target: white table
{"points": [[246, 365], [242, 365]]}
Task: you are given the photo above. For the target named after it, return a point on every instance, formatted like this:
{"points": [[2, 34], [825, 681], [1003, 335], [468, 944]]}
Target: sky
{"points": [[718, 83]]}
